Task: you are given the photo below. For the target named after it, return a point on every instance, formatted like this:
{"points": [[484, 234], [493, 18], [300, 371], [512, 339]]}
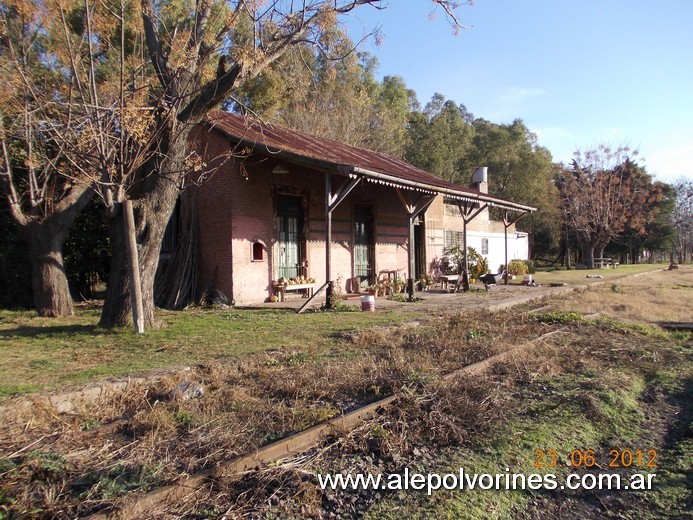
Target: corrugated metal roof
{"points": [[343, 158]]}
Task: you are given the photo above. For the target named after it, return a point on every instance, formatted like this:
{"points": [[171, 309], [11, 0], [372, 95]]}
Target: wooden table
{"points": [[447, 279], [283, 289], [601, 263]]}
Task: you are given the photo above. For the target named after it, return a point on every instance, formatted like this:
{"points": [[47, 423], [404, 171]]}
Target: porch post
{"points": [[412, 261], [331, 202], [465, 273], [506, 225], [134, 266], [328, 241], [413, 210], [469, 213]]}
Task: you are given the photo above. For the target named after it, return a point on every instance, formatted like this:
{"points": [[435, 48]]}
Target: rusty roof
{"points": [[331, 155]]}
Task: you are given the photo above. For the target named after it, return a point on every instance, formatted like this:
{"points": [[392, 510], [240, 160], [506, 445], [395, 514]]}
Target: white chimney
{"points": [[480, 179]]}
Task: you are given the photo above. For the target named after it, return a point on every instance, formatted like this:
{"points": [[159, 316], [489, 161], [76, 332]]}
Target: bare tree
{"points": [[43, 201], [601, 192], [682, 220]]}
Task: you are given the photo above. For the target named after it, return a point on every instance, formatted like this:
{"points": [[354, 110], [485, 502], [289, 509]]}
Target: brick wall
{"points": [[236, 209]]}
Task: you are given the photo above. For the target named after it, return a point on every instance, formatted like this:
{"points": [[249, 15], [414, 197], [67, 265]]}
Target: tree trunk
{"points": [[567, 250], [153, 206], [587, 248], [150, 224], [45, 239], [48, 280]]}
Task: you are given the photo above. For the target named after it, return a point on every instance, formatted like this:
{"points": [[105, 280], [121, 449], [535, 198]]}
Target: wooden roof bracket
{"points": [[417, 207], [469, 212], [332, 200]]}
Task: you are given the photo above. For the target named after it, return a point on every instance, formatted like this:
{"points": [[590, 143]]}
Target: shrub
{"points": [[517, 268], [452, 262], [531, 269]]}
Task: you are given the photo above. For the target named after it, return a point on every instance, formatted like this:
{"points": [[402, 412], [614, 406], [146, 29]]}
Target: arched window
{"points": [[258, 252]]}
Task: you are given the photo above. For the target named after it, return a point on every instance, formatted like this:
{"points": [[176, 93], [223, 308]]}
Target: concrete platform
{"points": [[436, 299]]}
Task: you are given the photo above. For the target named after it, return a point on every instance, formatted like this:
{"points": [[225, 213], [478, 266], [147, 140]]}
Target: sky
{"points": [[579, 73]]}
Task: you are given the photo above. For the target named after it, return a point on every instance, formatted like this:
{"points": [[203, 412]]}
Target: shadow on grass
{"points": [[681, 429], [51, 330]]}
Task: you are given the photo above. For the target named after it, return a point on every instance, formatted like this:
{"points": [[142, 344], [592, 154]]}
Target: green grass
{"points": [[600, 406], [47, 353], [558, 424], [42, 353]]}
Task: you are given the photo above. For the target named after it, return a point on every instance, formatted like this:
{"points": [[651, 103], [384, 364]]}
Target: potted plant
{"points": [[425, 280]]}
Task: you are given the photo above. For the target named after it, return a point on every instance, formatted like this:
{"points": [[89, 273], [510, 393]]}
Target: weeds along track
{"points": [[88, 460], [293, 445]]}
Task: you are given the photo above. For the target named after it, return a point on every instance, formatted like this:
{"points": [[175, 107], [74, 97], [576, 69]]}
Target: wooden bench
{"points": [[283, 289], [389, 274]]}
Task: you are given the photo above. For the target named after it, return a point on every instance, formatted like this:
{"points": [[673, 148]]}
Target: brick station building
{"points": [[274, 198]]}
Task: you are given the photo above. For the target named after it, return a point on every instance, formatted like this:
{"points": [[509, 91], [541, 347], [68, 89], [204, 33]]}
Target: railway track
{"points": [[140, 506]]}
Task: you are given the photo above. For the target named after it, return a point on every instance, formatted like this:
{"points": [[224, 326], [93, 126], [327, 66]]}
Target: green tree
{"points": [[88, 250], [440, 137], [652, 231], [335, 99], [682, 220], [521, 170]]}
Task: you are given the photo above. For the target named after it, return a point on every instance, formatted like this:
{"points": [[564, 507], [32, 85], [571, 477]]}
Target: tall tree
{"points": [[440, 137], [335, 99], [603, 191], [682, 220], [42, 201], [650, 230]]}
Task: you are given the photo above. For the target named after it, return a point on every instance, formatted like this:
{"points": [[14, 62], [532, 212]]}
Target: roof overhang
{"points": [[466, 196], [300, 148]]}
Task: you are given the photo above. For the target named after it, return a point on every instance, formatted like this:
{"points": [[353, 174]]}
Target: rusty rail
{"points": [[138, 506]]}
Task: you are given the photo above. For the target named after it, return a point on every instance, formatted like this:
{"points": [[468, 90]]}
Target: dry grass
{"points": [[149, 436], [650, 298], [581, 386]]}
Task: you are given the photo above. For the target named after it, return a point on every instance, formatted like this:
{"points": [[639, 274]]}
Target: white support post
{"points": [[134, 265]]}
